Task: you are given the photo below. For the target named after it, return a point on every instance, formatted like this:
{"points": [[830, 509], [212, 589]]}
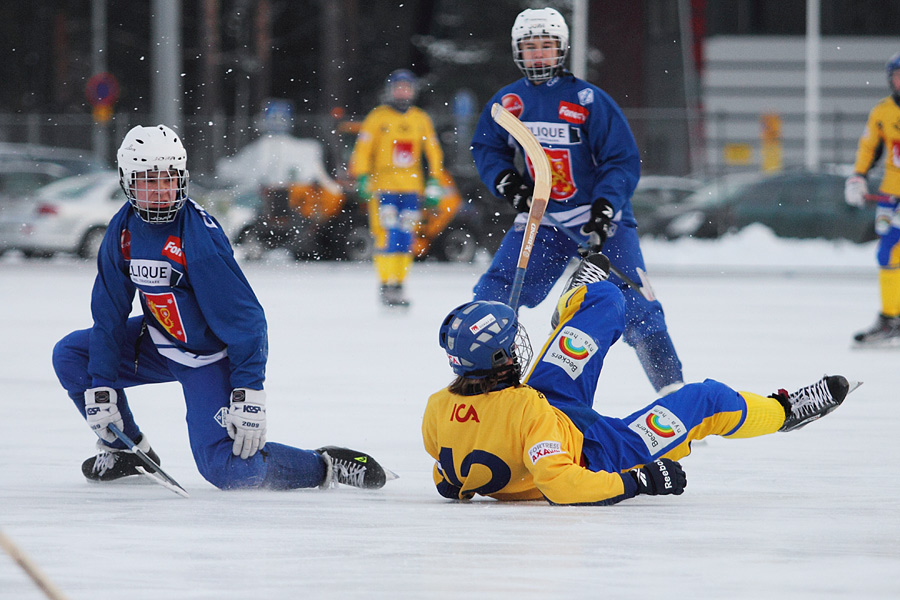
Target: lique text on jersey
{"points": [[554, 133], [152, 273]]}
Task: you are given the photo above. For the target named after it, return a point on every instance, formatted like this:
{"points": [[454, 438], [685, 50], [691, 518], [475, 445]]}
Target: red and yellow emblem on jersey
{"points": [[513, 103], [165, 309], [173, 250], [563, 184], [403, 154]]}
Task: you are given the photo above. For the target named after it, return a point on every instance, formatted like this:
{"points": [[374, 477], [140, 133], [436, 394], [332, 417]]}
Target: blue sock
{"points": [[288, 468]]}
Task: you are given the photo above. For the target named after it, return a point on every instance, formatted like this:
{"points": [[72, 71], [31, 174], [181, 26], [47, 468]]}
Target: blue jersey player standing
{"points": [[595, 165], [201, 326]]}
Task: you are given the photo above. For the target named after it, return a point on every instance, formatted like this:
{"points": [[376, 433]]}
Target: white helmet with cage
{"points": [[540, 23], [147, 157]]}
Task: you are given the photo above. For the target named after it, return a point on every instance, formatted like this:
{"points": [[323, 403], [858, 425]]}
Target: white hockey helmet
{"points": [[545, 23], [145, 153]]}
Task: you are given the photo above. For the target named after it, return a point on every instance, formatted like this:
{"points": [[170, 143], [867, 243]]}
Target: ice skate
{"points": [[111, 463], [351, 467], [885, 333], [392, 295], [813, 401], [593, 267]]}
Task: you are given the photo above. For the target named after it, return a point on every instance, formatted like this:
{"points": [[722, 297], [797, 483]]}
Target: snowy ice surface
{"points": [[809, 514]]}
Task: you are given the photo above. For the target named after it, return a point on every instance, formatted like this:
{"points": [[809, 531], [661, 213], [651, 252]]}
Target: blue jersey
{"points": [[197, 304], [584, 134]]}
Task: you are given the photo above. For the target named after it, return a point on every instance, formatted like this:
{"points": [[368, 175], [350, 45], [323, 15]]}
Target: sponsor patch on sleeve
{"points": [[658, 428], [513, 103], [572, 113], [542, 449], [570, 350]]}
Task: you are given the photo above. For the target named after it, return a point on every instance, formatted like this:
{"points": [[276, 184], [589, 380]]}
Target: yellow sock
{"points": [[569, 303], [764, 416], [890, 292], [392, 267]]}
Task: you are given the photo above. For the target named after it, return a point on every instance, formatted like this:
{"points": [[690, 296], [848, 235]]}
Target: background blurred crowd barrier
{"points": [[720, 142]]}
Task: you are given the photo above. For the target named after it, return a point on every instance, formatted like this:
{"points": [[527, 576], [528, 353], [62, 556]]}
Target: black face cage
{"points": [[543, 73], [161, 214], [522, 351]]}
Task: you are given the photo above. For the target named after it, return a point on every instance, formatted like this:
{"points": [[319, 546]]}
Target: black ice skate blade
{"points": [[888, 344], [394, 309]]}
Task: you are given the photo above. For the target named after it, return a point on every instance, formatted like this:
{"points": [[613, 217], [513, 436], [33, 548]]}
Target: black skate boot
{"points": [[110, 463], [392, 295], [351, 468], [813, 401], [593, 267], [885, 332]]}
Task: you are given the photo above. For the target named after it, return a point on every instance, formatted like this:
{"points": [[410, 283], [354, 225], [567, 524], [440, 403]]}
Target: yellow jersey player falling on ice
{"points": [[494, 435]]}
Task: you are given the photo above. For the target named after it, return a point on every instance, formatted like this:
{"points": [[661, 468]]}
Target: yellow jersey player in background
{"points": [[387, 162], [492, 435], [882, 136]]}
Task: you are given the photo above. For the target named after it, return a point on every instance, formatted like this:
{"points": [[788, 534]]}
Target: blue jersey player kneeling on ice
{"points": [[492, 435], [202, 326]]}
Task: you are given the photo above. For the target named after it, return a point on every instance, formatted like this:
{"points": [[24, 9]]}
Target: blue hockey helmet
{"points": [[401, 75], [400, 89], [892, 65], [481, 338]]}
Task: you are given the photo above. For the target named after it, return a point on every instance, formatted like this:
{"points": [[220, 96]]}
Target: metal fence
{"points": [[671, 141]]}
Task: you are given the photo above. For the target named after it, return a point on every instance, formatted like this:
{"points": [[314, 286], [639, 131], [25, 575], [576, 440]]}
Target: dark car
{"points": [[793, 204], [658, 199], [26, 167], [70, 160]]}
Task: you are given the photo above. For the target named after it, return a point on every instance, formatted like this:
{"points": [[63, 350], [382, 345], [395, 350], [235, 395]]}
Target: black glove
{"points": [[600, 225], [662, 476], [511, 186]]}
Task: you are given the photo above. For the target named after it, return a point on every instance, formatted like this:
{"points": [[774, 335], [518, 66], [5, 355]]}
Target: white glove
{"points": [[100, 410], [247, 421], [855, 190]]}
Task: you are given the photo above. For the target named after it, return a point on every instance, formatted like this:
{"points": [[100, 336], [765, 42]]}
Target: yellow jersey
{"points": [[389, 150], [882, 130], [510, 444]]}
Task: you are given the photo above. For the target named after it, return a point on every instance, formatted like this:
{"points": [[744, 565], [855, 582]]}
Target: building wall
{"points": [[745, 77]]}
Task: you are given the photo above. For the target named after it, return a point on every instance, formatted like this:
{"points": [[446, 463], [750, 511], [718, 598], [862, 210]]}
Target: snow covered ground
{"points": [[810, 514]]}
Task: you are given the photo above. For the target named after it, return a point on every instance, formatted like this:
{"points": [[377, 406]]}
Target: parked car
{"points": [[793, 204], [69, 161], [68, 215], [26, 167], [20, 178], [657, 199]]}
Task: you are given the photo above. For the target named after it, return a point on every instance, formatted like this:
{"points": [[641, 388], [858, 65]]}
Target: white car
{"points": [[68, 215]]}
